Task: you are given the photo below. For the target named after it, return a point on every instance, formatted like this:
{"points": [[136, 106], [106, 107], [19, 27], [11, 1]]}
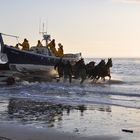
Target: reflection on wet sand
{"points": [[29, 111]]}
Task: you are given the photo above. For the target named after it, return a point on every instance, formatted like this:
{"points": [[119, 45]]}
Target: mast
{"points": [[46, 36]]}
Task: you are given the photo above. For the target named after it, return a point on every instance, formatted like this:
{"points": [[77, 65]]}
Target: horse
{"points": [[67, 71], [89, 67], [106, 70], [64, 70], [102, 70], [79, 70]]}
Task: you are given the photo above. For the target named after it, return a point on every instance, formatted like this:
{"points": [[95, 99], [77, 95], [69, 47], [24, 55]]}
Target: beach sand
{"points": [[96, 122], [12, 132], [101, 123]]}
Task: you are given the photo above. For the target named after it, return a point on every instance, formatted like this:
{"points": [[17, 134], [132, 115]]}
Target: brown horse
{"points": [[102, 70], [89, 68], [79, 70]]}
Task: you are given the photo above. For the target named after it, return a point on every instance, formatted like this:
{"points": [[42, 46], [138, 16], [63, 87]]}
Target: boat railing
{"points": [[1, 42]]}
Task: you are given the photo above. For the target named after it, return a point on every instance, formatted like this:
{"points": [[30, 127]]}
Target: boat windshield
{"points": [[9, 40]]}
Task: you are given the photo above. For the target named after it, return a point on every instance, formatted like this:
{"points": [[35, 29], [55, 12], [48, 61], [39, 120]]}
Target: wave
{"points": [[114, 92], [88, 86], [109, 82]]}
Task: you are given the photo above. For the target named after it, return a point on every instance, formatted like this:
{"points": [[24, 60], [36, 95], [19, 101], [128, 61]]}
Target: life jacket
{"points": [[39, 44], [54, 51], [25, 45], [51, 45], [60, 52]]}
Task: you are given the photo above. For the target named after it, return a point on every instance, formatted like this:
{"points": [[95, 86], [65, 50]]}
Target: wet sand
{"points": [[98, 122], [15, 132]]}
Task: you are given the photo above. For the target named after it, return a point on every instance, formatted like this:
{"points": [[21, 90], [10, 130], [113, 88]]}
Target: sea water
{"points": [[88, 109]]}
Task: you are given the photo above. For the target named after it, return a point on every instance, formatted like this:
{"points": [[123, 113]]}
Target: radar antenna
{"points": [[46, 36]]}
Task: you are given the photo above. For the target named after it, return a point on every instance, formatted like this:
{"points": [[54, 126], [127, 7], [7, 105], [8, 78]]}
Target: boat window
{"points": [[10, 40]]}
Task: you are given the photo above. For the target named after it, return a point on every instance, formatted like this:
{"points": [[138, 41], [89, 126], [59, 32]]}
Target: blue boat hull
{"points": [[16, 56]]}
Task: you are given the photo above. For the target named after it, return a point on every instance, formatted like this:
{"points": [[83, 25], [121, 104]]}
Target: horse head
{"points": [[102, 63], [109, 63], [91, 64]]}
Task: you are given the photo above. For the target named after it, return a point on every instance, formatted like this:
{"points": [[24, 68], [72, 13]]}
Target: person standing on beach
{"points": [[81, 70], [68, 71], [60, 68]]}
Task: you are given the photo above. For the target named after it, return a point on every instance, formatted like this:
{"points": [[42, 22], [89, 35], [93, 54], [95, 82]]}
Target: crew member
{"points": [[39, 44], [51, 45], [17, 46], [60, 50], [68, 71], [60, 68], [25, 45]]}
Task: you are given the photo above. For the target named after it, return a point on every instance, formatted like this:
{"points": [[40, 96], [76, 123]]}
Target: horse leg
{"points": [[82, 75], [109, 77], [59, 77], [97, 78], [103, 79], [65, 77], [94, 79], [70, 78], [82, 80]]}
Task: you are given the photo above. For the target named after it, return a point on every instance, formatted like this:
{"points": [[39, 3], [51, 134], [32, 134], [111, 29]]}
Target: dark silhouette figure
{"points": [[89, 68], [39, 44], [101, 70], [67, 71], [10, 80], [60, 68], [51, 45], [80, 70]]}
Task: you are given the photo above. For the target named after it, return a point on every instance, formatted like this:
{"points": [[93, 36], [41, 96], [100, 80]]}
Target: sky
{"points": [[96, 28]]}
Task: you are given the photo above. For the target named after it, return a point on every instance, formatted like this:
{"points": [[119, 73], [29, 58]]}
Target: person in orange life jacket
{"points": [[39, 44], [25, 45], [51, 45], [60, 50]]}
